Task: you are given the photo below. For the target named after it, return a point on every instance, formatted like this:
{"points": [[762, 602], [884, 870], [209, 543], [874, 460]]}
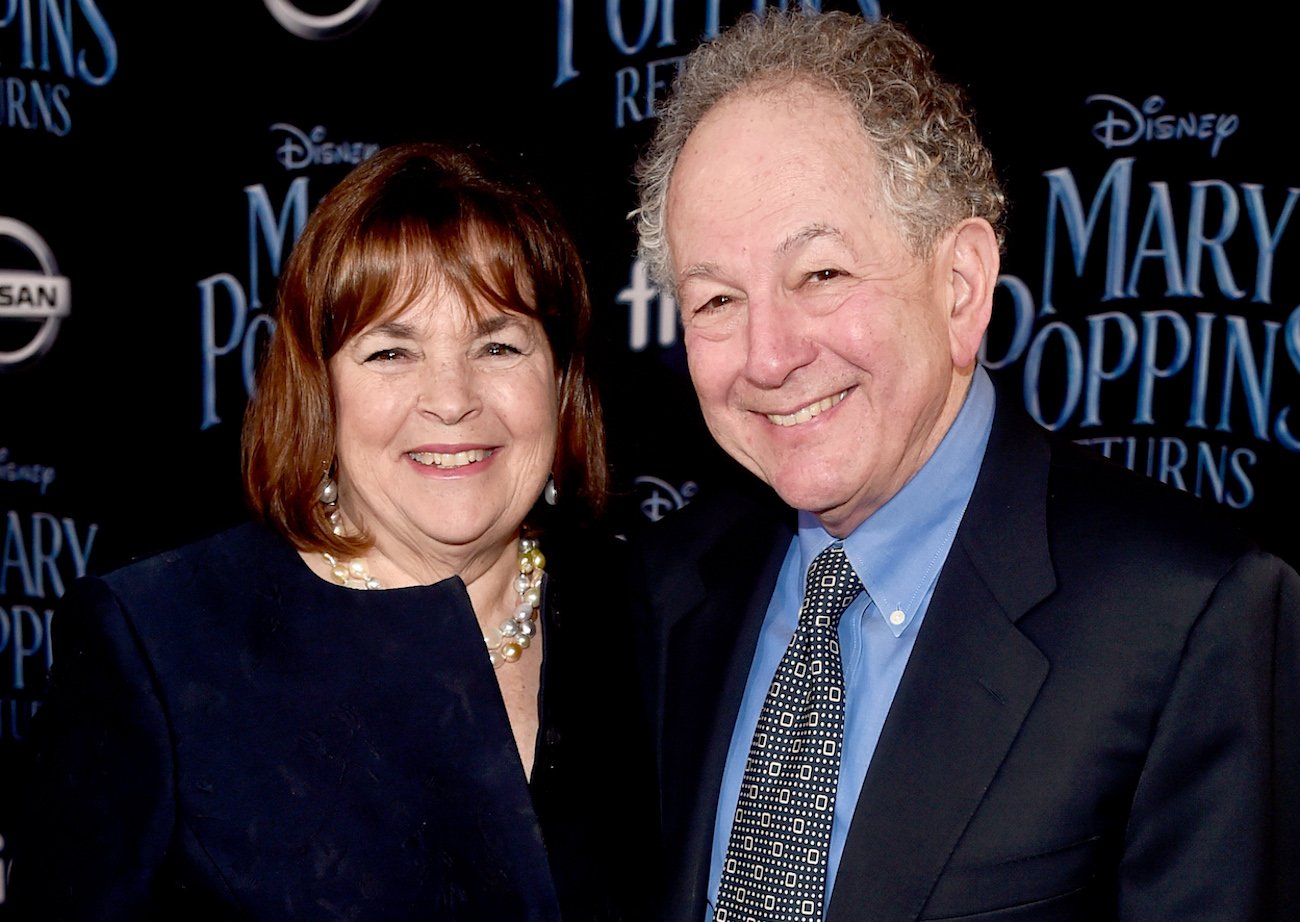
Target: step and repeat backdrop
{"points": [[157, 164]]}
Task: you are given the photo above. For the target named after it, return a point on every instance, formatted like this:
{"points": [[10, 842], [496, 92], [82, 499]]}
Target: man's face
{"points": [[823, 352]]}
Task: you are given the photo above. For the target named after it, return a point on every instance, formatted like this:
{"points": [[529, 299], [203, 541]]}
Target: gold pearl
{"points": [[539, 559], [510, 652]]}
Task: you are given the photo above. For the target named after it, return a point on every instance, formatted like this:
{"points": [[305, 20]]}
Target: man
{"points": [[1064, 692]]}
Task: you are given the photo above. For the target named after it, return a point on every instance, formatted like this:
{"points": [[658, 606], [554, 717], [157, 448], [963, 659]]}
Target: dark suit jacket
{"points": [[1098, 720], [228, 736]]}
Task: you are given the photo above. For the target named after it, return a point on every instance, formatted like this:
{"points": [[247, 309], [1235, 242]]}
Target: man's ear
{"points": [[975, 262]]}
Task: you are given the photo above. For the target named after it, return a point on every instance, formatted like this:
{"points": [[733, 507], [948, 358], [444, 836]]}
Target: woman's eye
{"points": [[386, 355], [497, 348], [823, 275]]}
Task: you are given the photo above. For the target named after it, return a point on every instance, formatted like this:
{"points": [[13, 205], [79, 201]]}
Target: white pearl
{"points": [[533, 597], [372, 583], [329, 492], [522, 641], [522, 583], [527, 629], [508, 629]]}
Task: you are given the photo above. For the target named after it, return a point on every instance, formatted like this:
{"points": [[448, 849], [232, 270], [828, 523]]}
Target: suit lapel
{"points": [[711, 635], [970, 682]]}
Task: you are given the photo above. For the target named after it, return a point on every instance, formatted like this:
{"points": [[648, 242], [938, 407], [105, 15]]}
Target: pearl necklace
{"points": [[514, 634]]}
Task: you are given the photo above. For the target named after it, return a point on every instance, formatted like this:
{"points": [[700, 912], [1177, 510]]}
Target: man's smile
{"points": [[805, 413]]}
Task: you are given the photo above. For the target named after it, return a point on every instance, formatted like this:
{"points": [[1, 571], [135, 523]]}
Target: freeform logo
{"points": [[316, 27], [32, 298]]}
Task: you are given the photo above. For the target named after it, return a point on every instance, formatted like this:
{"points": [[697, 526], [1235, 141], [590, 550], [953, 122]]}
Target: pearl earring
{"points": [[550, 493], [329, 497]]}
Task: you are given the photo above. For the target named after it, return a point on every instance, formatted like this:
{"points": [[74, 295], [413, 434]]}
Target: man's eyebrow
{"points": [[792, 242], [809, 233], [699, 270]]}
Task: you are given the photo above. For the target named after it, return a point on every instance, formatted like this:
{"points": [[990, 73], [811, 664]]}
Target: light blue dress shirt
{"points": [[897, 553]]}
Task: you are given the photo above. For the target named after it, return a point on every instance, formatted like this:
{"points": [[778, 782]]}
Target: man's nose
{"points": [[776, 341]]}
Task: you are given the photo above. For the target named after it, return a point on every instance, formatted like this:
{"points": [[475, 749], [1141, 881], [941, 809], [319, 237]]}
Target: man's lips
{"points": [[449, 460], [807, 412]]}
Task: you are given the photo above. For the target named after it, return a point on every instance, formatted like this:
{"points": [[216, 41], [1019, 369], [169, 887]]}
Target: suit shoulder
{"points": [[1096, 497]]}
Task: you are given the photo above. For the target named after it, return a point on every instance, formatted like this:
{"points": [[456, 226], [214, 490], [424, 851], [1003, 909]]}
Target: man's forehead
{"points": [[802, 175]]}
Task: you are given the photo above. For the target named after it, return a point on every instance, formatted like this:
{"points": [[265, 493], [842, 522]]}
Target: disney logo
{"points": [[300, 149], [660, 497], [1125, 124], [14, 472]]}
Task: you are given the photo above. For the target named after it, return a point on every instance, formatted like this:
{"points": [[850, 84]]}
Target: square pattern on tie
{"points": [[775, 866]]}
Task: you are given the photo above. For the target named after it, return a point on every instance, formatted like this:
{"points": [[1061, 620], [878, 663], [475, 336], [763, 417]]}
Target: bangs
{"points": [[392, 263]]}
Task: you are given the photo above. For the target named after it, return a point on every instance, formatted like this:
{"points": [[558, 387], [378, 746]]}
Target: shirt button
{"points": [[897, 617]]}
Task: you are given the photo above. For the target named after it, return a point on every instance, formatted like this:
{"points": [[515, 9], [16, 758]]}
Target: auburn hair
{"points": [[413, 217]]}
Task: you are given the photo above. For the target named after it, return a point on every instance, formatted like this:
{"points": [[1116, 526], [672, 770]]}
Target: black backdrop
{"points": [[158, 162]]}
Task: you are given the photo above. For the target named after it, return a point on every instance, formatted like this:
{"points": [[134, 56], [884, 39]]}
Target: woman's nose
{"points": [[449, 392]]}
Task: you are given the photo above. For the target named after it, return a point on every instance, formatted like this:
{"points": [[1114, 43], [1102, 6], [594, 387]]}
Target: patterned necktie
{"points": [[775, 866]]}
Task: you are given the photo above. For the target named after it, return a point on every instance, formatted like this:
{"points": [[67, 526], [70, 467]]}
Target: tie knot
{"points": [[831, 585]]}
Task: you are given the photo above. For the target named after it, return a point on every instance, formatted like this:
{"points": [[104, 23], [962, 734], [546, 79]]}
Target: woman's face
{"points": [[446, 426]]}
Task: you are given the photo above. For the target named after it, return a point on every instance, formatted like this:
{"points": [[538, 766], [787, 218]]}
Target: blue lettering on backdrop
{"points": [[34, 550], [301, 149], [1210, 200], [269, 236], [630, 28], [39, 475], [639, 295], [1125, 124], [40, 554], [1217, 370], [69, 40]]}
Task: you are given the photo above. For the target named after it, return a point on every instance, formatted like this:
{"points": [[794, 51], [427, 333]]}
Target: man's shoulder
{"points": [[1098, 500], [1104, 522]]}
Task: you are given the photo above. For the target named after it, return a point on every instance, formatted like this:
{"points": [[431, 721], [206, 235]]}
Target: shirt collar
{"points": [[898, 551]]}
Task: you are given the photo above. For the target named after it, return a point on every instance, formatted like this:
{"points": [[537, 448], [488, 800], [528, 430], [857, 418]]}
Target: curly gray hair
{"points": [[934, 169]]}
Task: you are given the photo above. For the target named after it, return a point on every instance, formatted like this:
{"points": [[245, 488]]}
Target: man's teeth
{"points": [[808, 412], [449, 459]]}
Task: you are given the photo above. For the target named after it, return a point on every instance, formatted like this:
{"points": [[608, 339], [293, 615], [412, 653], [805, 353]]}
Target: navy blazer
{"points": [[228, 736], [1098, 720]]}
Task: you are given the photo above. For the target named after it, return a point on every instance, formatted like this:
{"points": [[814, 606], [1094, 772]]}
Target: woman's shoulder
{"points": [[205, 573], [230, 552]]}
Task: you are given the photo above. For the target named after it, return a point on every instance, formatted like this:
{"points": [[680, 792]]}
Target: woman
{"points": [[369, 704]]}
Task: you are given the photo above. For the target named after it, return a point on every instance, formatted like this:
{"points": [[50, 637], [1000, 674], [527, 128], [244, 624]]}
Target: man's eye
{"points": [[714, 303]]}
